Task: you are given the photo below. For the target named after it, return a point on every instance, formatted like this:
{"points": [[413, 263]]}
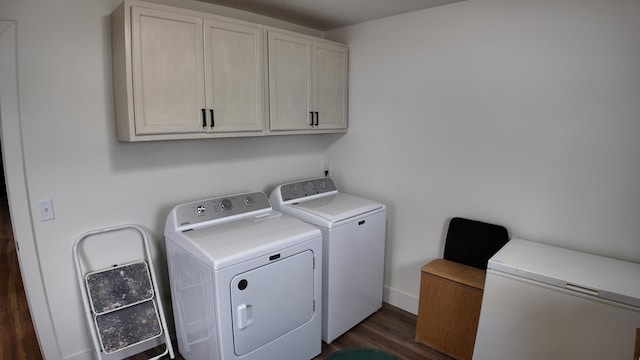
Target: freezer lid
{"points": [[593, 275], [335, 208]]}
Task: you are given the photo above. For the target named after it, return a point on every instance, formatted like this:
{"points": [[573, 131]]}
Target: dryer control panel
{"points": [[220, 208], [306, 188]]}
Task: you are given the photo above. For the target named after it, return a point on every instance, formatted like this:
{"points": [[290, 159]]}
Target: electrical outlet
{"points": [[327, 169], [46, 210]]}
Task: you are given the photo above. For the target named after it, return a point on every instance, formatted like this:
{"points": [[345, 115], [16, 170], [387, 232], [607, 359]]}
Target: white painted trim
{"points": [[18, 195], [401, 299]]}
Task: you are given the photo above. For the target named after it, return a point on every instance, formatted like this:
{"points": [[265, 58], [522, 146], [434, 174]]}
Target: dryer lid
{"points": [[335, 208], [230, 243]]}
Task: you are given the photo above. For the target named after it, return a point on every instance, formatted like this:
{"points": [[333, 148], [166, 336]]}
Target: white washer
{"points": [[353, 231], [244, 280]]}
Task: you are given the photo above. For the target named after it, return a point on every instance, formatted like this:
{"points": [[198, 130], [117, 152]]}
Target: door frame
{"points": [[18, 193]]}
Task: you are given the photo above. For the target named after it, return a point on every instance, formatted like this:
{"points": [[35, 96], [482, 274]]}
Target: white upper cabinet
{"points": [[234, 74], [289, 82], [184, 74], [168, 72], [191, 75], [330, 69], [307, 84]]}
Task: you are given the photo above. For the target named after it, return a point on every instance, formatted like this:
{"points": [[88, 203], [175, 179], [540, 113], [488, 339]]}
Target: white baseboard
{"points": [[401, 299]]}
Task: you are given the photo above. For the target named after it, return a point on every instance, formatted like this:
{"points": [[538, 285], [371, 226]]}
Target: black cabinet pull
{"points": [[310, 118], [213, 119], [317, 118], [204, 118]]}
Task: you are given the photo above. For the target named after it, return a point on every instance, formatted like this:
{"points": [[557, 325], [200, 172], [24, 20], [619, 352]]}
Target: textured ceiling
{"points": [[327, 15]]}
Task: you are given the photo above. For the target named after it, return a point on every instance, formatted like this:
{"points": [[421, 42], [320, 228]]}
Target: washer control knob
{"points": [[323, 184], [294, 188], [309, 186], [248, 200], [226, 205]]}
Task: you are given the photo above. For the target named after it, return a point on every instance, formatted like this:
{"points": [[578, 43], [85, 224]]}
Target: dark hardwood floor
{"points": [[390, 329], [17, 337]]}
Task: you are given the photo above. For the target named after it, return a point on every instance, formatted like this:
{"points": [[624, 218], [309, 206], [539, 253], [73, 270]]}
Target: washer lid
{"points": [[333, 208], [230, 243]]}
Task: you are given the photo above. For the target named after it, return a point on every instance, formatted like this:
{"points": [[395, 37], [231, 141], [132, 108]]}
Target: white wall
{"points": [[517, 112], [72, 156]]}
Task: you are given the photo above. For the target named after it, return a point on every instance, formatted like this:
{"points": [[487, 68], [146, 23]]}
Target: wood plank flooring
{"points": [[390, 329], [17, 337]]}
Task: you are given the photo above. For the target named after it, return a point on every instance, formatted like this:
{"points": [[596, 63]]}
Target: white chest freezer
{"points": [[545, 302]]}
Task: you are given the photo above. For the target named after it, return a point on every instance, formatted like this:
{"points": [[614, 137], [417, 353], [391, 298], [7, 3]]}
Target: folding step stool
{"points": [[122, 305]]}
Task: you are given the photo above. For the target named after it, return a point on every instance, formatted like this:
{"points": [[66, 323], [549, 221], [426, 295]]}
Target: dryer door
{"points": [[272, 300]]}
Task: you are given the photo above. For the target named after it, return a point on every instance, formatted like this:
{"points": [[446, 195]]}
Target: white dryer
{"points": [[353, 247], [244, 280]]}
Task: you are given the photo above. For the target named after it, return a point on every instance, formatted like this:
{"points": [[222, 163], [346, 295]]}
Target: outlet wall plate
{"points": [[45, 208]]}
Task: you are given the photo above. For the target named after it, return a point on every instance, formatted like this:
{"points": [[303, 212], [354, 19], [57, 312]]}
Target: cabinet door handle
{"points": [[213, 119], [317, 118], [204, 118], [310, 118]]}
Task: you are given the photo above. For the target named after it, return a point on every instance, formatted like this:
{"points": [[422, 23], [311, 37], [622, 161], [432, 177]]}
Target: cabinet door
{"points": [[168, 79], [234, 77], [289, 82], [330, 69]]}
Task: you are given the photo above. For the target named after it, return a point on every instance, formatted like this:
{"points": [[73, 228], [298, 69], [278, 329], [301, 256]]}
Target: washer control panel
{"points": [[306, 188], [219, 208]]}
